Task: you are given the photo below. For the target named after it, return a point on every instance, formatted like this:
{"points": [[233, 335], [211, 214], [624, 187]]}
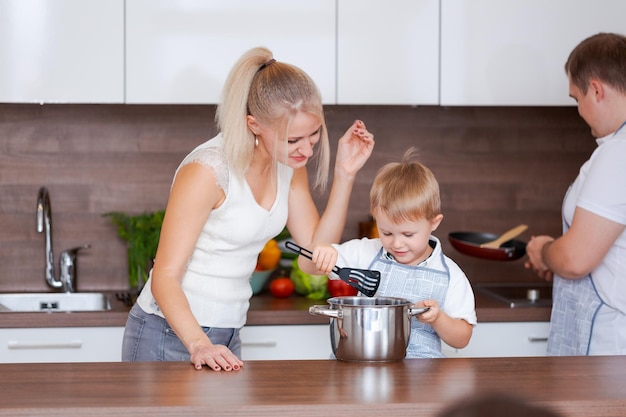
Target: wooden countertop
{"points": [[574, 386], [264, 310]]}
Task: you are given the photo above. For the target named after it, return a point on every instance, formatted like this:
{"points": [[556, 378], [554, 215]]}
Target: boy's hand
{"points": [[324, 257], [432, 314]]}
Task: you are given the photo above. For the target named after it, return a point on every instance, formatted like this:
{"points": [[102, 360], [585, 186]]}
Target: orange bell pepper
{"points": [[269, 256]]}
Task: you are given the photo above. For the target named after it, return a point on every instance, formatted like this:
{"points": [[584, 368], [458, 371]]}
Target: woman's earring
{"points": [[256, 141]]}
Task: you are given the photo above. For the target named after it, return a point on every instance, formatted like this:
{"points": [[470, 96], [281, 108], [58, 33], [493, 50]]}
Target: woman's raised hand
{"points": [[354, 149]]}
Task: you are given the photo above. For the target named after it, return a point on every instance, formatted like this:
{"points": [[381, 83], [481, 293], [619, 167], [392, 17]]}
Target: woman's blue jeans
{"points": [[148, 338]]}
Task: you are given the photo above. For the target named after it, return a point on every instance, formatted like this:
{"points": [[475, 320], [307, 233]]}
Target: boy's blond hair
{"points": [[406, 190]]}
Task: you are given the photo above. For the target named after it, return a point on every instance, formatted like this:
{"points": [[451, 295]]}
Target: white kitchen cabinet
{"points": [[513, 52], [61, 344], [68, 51], [293, 342], [181, 51], [388, 52], [504, 339]]}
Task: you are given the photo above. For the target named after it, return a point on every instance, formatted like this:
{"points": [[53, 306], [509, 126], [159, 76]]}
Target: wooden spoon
{"points": [[505, 237]]}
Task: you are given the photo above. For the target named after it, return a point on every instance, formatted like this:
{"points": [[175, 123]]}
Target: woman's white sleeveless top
{"points": [[216, 281]]}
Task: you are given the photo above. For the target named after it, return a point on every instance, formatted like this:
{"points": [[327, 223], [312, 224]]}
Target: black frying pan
{"points": [[469, 244]]}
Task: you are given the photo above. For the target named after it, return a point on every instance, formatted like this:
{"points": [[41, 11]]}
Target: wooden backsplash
{"points": [[497, 167]]}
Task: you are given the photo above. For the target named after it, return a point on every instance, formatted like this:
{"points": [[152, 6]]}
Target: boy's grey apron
{"points": [[414, 283]]}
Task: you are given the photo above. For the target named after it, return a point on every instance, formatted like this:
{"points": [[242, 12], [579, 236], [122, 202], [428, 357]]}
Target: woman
{"points": [[229, 197]]}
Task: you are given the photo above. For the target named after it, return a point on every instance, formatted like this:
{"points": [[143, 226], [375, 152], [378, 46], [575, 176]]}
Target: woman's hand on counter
{"points": [[216, 357]]}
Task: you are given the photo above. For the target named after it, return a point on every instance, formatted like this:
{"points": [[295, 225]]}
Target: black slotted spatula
{"points": [[364, 280]]}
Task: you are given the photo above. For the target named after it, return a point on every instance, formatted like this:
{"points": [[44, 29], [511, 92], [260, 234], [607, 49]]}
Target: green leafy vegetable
{"points": [[284, 234], [314, 287], [141, 232]]}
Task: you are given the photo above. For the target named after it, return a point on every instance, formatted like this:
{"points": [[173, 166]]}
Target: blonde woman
{"points": [[229, 197]]}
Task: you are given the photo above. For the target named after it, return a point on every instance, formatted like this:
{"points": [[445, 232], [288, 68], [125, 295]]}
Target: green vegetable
{"points": [[314, 287], [141, 232], [284, 234]]}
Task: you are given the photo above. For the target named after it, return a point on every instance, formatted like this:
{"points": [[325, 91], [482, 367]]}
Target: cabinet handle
{"points": [[532, 339], [259, 344], [72, 344]]}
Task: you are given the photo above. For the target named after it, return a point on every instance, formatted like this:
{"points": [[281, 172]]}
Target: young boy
{"points": [[405, 202]]}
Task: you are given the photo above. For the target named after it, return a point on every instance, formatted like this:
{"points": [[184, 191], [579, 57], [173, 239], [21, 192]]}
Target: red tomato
{"points": [[338, 288], [281, 287]]}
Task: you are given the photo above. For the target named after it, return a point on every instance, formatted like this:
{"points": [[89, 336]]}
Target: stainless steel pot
{"points": [[366, 329]]}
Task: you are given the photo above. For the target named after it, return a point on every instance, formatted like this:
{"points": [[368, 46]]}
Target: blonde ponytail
{"points": [[233, 109]]}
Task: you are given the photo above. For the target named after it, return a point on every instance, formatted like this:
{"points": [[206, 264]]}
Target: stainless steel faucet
{"points": [[67, 262], [67, 268]]}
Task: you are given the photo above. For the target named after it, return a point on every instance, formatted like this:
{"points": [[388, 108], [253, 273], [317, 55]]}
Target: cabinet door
{"points": [[388, 52], [56, 344], [505, 339], [285, 342], [62, 51], [182, 51], [512, 52]]}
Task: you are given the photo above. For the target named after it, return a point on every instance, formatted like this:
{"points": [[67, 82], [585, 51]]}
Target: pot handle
{"points": [[319, 310], [416, 311]]}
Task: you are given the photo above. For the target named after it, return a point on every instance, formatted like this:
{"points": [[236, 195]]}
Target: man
{"points": [[588, 262]]}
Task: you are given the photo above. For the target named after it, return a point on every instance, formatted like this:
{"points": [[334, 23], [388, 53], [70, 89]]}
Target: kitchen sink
{"points": [[47, 302], [519, 294]]}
